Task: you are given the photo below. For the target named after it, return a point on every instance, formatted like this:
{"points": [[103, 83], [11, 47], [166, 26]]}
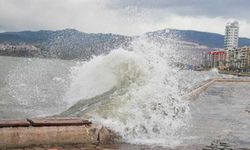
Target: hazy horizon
{"points": [[131, 17], [115, 33]]}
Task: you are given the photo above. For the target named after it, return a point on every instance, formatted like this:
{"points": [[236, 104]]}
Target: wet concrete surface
{"points": [[220, 119], [222, 112], [106, 147]]}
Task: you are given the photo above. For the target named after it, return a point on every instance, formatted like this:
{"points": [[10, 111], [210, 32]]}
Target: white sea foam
{"points": [[143, 103], [215, 70], [147, 107]]}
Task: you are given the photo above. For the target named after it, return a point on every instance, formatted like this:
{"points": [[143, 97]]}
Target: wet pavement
{"points": [[220, 120], [222, 113]]}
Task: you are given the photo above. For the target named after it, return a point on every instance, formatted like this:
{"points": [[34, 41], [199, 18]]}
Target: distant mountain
{"points": [[25, 36], [211, 40], [71, 44], [66, 44]]}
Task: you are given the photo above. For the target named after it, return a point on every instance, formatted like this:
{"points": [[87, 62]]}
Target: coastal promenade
{"points": [[240, 74], [194, 93], [221, 112], [80, 134]]}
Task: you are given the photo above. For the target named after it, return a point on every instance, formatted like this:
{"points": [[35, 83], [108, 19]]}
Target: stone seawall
{"points": [[195, 92], [52, 131]]}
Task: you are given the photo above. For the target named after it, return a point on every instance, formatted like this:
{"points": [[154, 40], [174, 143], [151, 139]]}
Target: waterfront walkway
{"points": [[220, 112]]}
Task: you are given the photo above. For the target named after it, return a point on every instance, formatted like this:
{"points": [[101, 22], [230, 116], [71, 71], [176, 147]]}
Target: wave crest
{"points": [[146, 106]]}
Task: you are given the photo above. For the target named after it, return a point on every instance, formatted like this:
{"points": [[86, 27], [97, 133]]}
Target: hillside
{"points": [[66, 44], [211, 40], [73, 44]]}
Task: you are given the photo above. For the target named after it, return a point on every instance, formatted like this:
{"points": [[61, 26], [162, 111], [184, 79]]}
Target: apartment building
{"points": [[231, 38], [245, 56]]}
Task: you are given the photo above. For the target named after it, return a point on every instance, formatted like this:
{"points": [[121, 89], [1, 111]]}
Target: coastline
{"points": [[240, 74]]}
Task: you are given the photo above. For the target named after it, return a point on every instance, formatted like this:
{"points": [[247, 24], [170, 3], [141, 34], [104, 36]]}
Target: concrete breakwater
{"points": [[193, 94], [61, 131], [51, 131], [239, 74]]}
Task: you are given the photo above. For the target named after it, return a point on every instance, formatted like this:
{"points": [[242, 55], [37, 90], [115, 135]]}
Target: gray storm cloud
{"points": [[211, 8], [130, 17]]}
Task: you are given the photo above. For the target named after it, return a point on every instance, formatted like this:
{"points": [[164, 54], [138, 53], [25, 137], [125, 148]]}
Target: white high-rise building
{"points": [[231, 38]]}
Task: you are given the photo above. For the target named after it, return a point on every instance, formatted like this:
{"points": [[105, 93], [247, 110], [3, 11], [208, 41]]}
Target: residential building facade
{"points": [[232, 57], [215, 59], [231, 38], [245, 53]]}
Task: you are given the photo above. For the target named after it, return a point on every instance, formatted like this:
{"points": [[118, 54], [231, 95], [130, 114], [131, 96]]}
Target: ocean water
{"points": [[137, 92], [32, 86]]}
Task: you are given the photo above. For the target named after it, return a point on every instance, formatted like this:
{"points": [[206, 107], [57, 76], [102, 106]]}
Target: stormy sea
{"points": [[138, 92]]}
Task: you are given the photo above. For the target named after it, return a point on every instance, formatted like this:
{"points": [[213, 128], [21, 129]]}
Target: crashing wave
{"points": [[139, 96]]}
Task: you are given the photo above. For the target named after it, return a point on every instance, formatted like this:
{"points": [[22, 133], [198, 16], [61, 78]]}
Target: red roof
{"points": [[216, 52]]}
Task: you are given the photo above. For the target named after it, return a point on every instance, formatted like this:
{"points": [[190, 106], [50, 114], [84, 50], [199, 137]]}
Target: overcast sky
{"points": [[130, 17]]}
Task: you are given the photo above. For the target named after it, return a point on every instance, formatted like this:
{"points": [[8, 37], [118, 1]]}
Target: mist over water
{"points": [[33, 87], [146, 106], [99, 69], [141, 90]]}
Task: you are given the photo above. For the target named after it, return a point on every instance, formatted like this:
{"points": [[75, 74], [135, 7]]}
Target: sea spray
{"points": [[36, 87], [147, 107], [215, 70]]}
